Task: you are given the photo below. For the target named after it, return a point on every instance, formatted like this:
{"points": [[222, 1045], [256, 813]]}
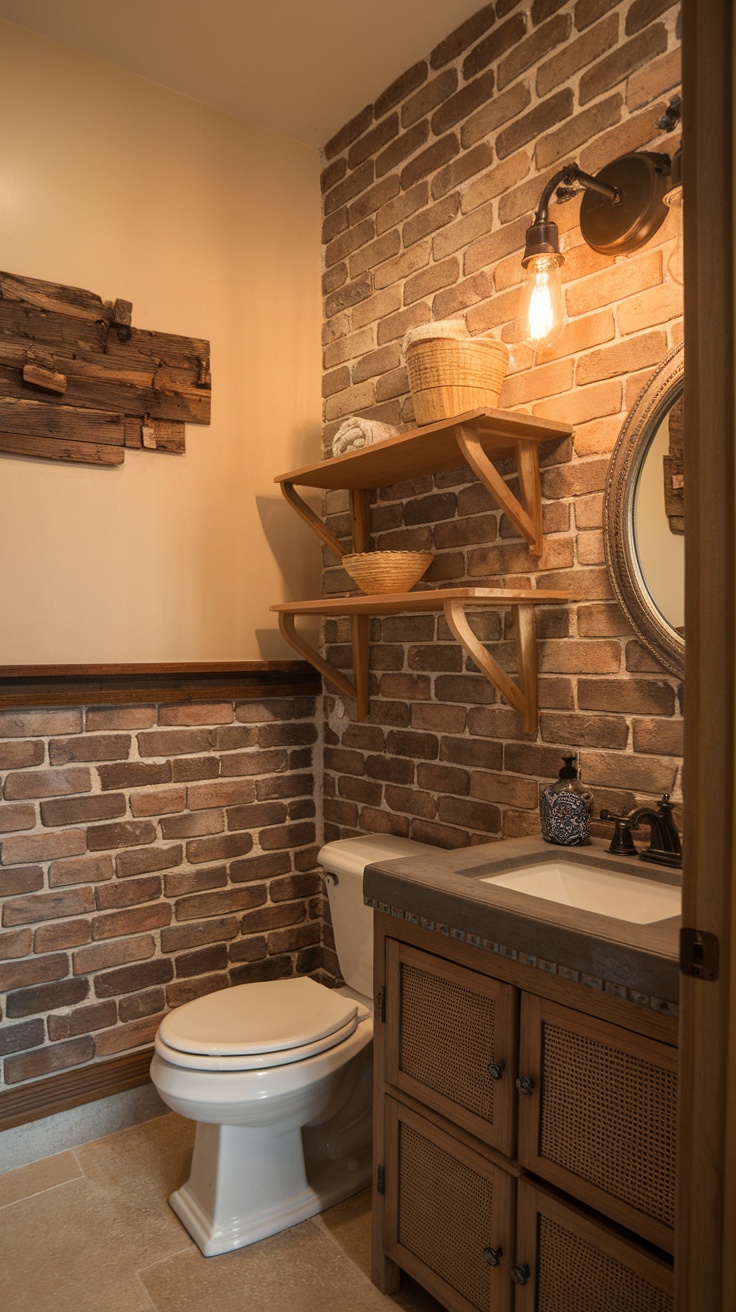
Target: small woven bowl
{"points": [[387, 571]]}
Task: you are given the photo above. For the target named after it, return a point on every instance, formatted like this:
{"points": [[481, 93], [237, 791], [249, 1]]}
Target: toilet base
{"points": [[212, 1238], [227, 1202]]}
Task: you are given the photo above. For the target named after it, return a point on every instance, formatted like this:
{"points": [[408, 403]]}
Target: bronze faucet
{"points": [[664, 847]]}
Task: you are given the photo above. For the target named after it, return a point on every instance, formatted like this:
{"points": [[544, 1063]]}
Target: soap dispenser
{"points": [[565, 808]]}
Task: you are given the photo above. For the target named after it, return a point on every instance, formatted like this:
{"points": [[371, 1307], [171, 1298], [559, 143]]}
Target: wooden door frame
{"points": [[706, 1216]]}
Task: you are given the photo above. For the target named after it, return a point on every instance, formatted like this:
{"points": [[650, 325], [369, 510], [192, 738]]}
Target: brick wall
{"points": [[427, 195], [149, 855]]}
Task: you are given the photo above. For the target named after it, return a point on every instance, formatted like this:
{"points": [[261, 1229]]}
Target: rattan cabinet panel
{"points": [[600, 1119], [447, 1211], [451, 1041], [578, 1264]]}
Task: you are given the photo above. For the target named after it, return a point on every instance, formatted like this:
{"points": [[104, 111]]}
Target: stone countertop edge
{"points": [[447, 888]]}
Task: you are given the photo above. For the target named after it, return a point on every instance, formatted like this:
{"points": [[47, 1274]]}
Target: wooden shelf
{"points": [[426, 450], [455, 602], [398, 603], [475, 438]]}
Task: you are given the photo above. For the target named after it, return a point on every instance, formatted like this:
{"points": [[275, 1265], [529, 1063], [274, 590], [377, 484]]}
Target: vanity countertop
{"points": [[444, 892]]}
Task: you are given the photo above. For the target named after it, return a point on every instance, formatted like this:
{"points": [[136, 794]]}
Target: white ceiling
{"points": [[299, 67]]}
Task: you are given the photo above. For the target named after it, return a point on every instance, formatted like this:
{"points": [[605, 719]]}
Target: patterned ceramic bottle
{"points": [[566, 808]]}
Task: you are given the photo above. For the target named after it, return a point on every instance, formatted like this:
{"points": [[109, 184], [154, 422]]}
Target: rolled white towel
{"points": [[355, 433]]}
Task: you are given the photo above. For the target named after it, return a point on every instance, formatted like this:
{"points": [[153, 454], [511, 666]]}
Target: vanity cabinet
{"points": [[517, 1135]]}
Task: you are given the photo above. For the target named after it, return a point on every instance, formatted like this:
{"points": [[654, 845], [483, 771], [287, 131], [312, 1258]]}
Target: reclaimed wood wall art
{"points": [[79, 383]]}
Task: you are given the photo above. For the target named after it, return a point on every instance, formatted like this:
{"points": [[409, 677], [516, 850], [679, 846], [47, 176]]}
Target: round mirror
{"points": [[644, 516]]}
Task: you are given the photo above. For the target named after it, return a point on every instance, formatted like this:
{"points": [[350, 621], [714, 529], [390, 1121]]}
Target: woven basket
{"points": [[449, 377], [387, 571]]}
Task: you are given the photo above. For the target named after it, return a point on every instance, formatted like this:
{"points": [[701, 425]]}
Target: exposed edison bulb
{"points": [[542, 305], [673, 200]]}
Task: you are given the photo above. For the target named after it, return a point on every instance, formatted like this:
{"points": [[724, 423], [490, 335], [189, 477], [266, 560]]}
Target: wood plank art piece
{"points": [[79, 383]]}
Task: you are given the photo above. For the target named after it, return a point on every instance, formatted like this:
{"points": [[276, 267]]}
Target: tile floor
{"points": [[90, 1230]]}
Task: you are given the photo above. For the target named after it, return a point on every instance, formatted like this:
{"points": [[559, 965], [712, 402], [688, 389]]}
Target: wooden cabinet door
{"points": [[578, 1263], [451, 1042], [449, 1215], [599, 1118]]}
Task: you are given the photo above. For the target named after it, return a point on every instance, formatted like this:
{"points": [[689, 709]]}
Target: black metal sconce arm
{"points": [[564, 182], [542, 237]]}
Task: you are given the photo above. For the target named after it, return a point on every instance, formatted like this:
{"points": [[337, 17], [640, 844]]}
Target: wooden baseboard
{"points": [[57, 1093], [104, 685]]}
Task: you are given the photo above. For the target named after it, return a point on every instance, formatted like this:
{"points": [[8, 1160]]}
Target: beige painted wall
{"points": [[210, 226]]}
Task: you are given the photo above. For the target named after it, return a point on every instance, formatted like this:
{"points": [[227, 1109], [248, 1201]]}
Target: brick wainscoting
{"points": [[149, 854], [427, 195]]}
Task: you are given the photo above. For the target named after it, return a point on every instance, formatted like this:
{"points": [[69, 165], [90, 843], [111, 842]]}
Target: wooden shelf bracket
{"points": [[525, 515], [359, 693], [306, 513], [455, 603], [522, 695]]}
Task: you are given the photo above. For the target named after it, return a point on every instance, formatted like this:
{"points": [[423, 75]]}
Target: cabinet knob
{"points": [[493, 1255], [496, 1069], [525, 1084], [520, 1274]]}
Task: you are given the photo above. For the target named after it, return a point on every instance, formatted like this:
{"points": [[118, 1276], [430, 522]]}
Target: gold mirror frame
{"points": [[624, 569]]}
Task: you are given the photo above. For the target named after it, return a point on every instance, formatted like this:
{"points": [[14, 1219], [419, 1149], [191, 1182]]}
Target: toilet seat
{"points": [[254, 1026], [254, 1061]]}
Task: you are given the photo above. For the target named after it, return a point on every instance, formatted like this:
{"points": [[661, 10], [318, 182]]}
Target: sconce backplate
{"points": [[642, 178]]}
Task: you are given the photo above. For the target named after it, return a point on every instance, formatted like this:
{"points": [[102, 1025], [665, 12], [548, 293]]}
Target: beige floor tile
{"points": [[62, 1251], [300, 1270], [136, 1170], [349, 1226], [25, 1181]]}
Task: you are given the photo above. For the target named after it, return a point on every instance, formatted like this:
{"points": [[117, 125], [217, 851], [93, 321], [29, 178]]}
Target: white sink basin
{"points": [[624, 897]]}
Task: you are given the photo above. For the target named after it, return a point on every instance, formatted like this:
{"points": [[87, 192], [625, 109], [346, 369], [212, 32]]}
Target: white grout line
{"points": [[38, 1192], [145, 1291], [179, 1252]]}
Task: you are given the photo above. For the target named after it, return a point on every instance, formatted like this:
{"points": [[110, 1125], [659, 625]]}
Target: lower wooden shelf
{"points": [[455, 602]]}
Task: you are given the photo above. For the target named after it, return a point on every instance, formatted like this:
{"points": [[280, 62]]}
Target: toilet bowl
{"points": [[278, 1077]]}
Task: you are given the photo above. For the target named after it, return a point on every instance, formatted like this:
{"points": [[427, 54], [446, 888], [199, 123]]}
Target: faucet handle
{"points": [[622, 844], [670, 835]]}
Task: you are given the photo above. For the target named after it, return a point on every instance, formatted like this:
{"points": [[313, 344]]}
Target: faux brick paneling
{"points": [[123, 893], [512, 94]]}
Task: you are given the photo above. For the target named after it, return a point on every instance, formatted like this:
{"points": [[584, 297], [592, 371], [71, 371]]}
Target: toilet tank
{"points": [[352, 921]]}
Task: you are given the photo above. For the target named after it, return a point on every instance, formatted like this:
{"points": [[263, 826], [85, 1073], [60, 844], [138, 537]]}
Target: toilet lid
{"points": [[250, 1019], [256, 1061]]}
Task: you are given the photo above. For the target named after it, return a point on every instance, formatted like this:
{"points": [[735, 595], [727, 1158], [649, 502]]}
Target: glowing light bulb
{"points": [[673, 200], [542, 306]]}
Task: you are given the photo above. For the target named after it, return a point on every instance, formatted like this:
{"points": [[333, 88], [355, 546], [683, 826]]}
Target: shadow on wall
{"points": [[297, 553]]}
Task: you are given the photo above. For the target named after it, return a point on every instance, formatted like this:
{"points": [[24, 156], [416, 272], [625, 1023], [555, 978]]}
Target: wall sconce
{"points": [[622, 207]]}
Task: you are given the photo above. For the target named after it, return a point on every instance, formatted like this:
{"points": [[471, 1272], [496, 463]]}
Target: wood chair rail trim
{"points": [[100, 685]]}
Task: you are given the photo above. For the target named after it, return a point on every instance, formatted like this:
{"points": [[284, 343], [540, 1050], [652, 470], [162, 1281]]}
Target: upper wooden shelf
{"points": [[426, 450]]}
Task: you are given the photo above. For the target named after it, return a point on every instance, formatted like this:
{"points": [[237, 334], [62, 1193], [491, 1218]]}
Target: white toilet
{"points": [[278, 1077]]}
